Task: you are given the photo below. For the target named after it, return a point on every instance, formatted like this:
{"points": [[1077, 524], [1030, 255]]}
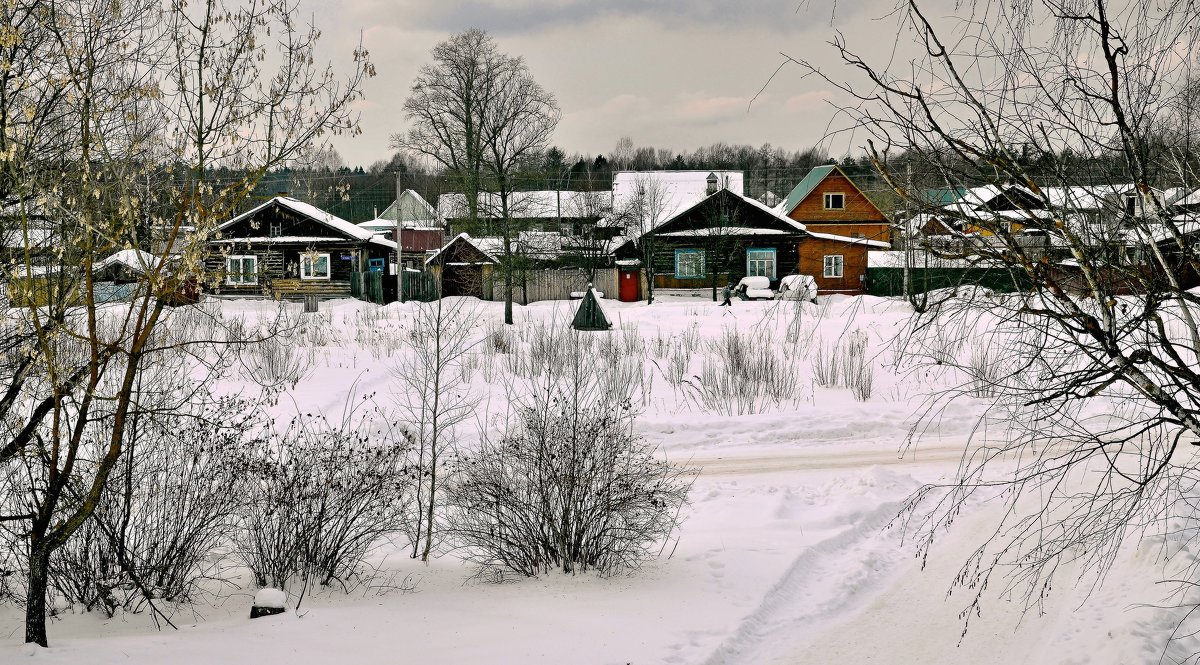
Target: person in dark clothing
{"points": [[728, 291]]}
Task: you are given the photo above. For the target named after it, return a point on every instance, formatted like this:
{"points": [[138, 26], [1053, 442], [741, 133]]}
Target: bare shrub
{"points": [[826, 370], [500, 339], [323, 497], [569, 487], [275, 361], [744, 374], [170, 503], [856, 371], [167, 504], [985, 368]]}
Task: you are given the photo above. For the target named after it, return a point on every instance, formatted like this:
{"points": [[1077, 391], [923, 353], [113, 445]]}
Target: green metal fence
{"points": [[890, 281]]}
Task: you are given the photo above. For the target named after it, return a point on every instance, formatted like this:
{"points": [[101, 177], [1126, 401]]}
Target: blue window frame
{"points": [[760, 262], [689, 263]]}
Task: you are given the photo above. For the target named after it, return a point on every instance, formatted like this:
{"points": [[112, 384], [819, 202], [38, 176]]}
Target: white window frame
{"points": [[689, 252], [274, 229], [241, 277], [310, 258], [753, 263], [829, 200], [834, 266]]}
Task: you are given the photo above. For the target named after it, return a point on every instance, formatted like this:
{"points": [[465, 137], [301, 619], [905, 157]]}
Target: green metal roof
{"points": [[806, 186]]}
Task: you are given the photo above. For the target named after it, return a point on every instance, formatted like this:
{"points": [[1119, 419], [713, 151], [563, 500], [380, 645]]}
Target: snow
{"points": [[273, 598], [786, 554], [680, 189]]}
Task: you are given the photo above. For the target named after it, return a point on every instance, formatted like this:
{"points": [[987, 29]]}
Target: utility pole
{"points": [[399, 243]]}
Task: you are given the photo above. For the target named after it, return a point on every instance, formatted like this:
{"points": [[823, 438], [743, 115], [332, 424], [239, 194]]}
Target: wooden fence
{"points": [[554, 284]]}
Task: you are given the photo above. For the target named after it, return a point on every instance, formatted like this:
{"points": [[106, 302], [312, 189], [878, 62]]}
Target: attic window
{"points": [[1131, 204], [275, 230], [711, 187], [835, 201]]}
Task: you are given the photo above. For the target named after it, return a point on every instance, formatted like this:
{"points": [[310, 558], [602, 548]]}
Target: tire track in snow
{"points": [[819, 587], [829, 459]]}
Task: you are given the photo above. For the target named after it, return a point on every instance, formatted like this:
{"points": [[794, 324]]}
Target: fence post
{"points": [[310, 303]]}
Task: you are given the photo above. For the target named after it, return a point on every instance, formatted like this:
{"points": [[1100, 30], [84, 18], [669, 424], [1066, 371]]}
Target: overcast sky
{"points": [[675, 74]]}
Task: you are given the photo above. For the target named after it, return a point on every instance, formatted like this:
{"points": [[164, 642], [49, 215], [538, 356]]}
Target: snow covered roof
{"points": [[134, 259], [725, 231], [14, 237], [410, 207], [1188, 199], [310, 211], [681, 190], [544, 204], [871, 244], [744, 230], [1078, 197], [480, 244]]}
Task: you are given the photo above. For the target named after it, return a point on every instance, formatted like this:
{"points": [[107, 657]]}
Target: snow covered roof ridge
{"points": [[307, 210]]}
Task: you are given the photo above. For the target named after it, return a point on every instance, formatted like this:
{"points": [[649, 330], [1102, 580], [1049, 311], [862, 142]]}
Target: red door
{"points": [[628, 291]]}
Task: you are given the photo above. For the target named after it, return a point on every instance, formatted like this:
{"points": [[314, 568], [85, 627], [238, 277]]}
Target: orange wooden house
{"points": [[842, 224], [828, 201]]}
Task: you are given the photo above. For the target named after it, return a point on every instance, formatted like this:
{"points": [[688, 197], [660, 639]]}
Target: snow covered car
{"points": [[754, 288], [798, 287]]}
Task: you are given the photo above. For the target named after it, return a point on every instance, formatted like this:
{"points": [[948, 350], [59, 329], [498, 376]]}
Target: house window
{"points": [[835, 201], [1131, 204], [314, 266], [711, 184], [275, 230], [241, 270], [760, 263], [689, 263], [833, 265]]}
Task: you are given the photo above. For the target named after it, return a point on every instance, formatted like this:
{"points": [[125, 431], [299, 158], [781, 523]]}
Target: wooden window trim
{"points": [[682, 252], [838, 266], [244, 280], [826, 200], [314, 258]]}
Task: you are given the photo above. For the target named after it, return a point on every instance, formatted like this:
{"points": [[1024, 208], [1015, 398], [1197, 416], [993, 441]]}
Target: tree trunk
{"points": [[35, 596]]}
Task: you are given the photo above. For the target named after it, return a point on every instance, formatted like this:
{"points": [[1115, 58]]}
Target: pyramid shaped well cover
{"points": [[590, 316]]}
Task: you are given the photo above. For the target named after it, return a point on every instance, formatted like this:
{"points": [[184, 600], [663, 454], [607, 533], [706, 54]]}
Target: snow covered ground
{"points": [[785, 556]]}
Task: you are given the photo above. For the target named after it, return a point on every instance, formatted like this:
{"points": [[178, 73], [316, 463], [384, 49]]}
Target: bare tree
{"points": [[143, 100], [433, 397], [1058, 108], [480, 114], [648, 207]]}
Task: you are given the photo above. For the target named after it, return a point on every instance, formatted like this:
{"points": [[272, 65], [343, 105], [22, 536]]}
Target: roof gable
{"points": [[729, 210], [858, 207], [461, 249], [303, 211]]}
